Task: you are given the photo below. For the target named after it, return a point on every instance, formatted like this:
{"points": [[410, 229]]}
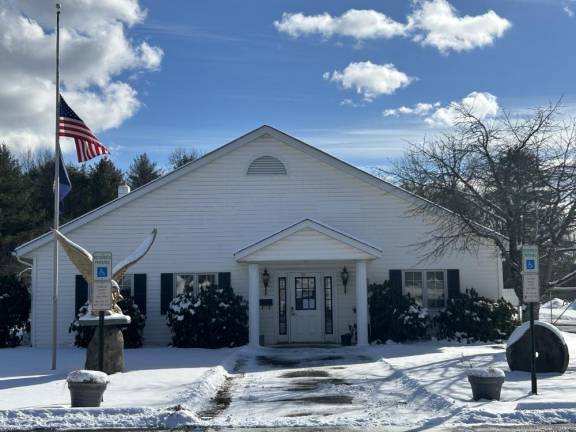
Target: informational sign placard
{"points": [[102, 286], [530, 274]]}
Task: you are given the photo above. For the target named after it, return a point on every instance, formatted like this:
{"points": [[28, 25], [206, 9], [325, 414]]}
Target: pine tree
{"points": [[142, 170], [104, 181]]}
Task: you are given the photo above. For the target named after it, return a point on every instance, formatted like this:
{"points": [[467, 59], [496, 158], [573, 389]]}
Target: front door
{"points": [[305, 308]]}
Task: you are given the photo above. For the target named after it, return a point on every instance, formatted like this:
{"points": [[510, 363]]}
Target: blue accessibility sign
{"points": [[102, 272], [530, 264]]}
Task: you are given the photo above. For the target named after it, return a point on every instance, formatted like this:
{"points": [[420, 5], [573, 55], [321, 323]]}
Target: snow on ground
{"points": [[557, 309], [399, 387]]}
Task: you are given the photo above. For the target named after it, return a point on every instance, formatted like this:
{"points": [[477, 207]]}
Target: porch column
{"points": [[361, 303], [253, 305]]}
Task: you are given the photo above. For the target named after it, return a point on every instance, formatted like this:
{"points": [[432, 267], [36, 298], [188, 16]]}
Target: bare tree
{"points": [[509, 181], [181, 156]]}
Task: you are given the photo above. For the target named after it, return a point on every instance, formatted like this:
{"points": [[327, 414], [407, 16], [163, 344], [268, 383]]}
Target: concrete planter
{"points": [[485, 387], [86, 394]]}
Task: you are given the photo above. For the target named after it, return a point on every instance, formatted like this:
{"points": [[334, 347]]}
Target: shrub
{"points": [[14, 311], [395, 316], [213, 318], [133, 333], [473, 318]]}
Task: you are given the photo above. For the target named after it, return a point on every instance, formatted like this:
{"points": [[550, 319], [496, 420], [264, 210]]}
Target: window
{"points": [[282, 305], [267, 165], [305, 293], [328, 318], [191, 282], [427, 287], [127, 286]]}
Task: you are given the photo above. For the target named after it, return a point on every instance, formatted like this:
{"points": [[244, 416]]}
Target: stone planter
{"points": [[86, 394], [486, 384], [86, 387]]}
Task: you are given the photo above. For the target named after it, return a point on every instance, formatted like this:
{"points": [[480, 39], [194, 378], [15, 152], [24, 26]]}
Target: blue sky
{"points": [[227, 69]]}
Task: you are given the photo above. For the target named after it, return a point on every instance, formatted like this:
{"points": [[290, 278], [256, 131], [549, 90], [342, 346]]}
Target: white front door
{"points": [[306, 307]]}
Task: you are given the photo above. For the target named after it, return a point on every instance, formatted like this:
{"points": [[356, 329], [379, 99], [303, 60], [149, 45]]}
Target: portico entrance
{"points": [[304, 299]]}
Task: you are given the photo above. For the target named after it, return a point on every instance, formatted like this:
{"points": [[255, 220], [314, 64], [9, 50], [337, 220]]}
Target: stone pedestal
{"points": [[113, 360], [113, 350]]}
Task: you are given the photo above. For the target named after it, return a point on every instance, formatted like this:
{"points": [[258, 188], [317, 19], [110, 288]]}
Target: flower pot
{"points": [[486, 387], [346, 339], [85, 394]]}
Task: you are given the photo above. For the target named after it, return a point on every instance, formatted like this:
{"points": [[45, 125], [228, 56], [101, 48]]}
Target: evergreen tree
{"points": [[142, 170], [104, 181], [16, 213]]}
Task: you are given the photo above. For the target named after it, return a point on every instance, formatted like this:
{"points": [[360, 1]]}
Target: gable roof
{"points": [[262, 131], [340, 236]]}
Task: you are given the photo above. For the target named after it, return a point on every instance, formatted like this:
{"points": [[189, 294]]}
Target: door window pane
{"points": [[305, 288], [328, 318], [413, 285], [206, 280], [126, 286], [282, 313]]}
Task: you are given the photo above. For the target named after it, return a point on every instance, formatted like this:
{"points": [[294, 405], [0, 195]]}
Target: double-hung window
{"points": [[427, 287], [192, 282]]}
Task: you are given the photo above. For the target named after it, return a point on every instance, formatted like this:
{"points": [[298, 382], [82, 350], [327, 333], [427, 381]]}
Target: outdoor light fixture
{"points": [[265, 280], [344, 276]]}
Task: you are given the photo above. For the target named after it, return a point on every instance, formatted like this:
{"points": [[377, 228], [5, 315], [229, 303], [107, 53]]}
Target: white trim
{"points": [[260, 132], [242, 254]]}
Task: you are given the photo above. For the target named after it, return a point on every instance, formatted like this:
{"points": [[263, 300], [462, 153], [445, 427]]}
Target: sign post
{"points": [[531, 295], [101, 295]]}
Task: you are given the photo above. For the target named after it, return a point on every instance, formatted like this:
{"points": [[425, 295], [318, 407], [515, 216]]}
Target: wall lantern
{"points": [[265, 280], [344, 275]]}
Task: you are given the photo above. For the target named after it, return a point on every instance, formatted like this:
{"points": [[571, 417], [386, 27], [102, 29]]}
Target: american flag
{"points": [[70, 125]]}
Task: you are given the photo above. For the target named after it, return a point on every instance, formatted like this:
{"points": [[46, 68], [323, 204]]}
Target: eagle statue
{"points": [[82, 260]]}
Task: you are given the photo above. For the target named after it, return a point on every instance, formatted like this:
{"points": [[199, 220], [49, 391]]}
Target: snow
{"points": [[558, 309], [489, 372], [87, 376], [396, 387], [520, 330]]}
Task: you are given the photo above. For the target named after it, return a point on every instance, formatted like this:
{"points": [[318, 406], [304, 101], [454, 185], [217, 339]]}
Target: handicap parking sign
{"points": [[102, 272], [530, 264]]}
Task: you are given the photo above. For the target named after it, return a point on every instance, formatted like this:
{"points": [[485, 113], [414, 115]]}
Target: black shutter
{"points": [[396, 281], [224, 280], [166, 291], [453, 277], [140, 291], [81, 292]]}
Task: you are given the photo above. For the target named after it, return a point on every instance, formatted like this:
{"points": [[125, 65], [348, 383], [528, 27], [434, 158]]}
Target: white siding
{"points": [[307, 245], [206, 215]]}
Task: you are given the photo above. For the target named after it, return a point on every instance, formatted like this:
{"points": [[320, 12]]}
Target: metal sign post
{"points": [[101, 295], [531, 295]]}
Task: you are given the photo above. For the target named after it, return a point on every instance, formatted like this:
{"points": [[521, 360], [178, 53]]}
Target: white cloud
{"points": [[481, 104], [370, 80], [568, 11], [95, 50], [358, 24], [439, 25], [432, 23], [419, 109]]}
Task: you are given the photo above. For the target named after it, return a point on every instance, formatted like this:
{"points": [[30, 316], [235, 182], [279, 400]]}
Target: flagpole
{"points": [[56, 195]]}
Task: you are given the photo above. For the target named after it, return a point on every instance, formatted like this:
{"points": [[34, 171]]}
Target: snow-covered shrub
{"points": [[14, 311], [133, 333], [213, 318], [394, 316], [473, 318]]}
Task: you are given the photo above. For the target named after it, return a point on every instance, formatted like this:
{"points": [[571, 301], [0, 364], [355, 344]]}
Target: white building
{"points": [[263, 203]]}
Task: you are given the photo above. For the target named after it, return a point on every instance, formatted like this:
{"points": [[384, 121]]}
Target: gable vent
{"points": [[266, 165]]}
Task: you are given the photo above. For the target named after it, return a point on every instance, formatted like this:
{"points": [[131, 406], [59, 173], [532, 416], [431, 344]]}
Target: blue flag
{"points": [[64, 184]]}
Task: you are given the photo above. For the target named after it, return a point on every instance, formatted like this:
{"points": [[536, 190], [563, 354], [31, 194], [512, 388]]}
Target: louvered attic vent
{"points": [[268, 165]]}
